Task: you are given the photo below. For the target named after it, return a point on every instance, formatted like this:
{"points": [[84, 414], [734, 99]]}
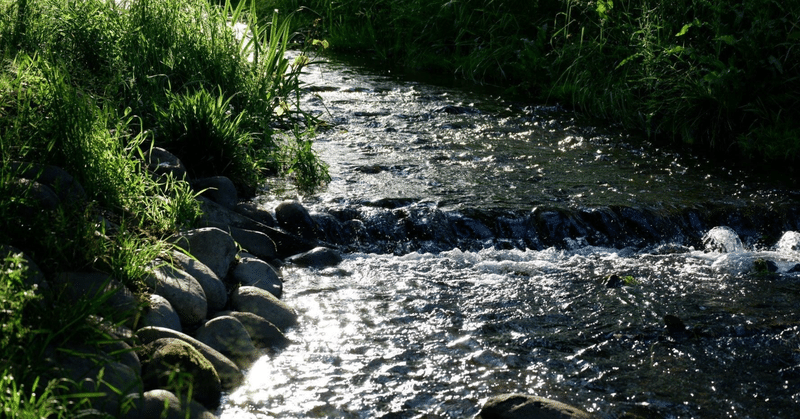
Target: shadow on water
{"points": [[495, 247]]}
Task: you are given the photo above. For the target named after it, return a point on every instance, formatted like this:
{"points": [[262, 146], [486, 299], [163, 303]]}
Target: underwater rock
{"points": [[522, 406]]}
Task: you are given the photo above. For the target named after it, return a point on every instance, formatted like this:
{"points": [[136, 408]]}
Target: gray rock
{"points": [[182, 291], [161, 314], [215, 215], [262, 303], [255, 242], [62, 183], [211, 246], [293, 217], [262, 333], [319, 257], [521, 406], [229, 374], [95, 285], [213, 287], [219, 189], [165, 358], [96, 373], [162, 162], [165, 405], [253, 272], [252, 211], [227, 335], [38, 194]]}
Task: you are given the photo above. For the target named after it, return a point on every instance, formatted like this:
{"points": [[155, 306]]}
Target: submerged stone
{"points": [[521, 406]]}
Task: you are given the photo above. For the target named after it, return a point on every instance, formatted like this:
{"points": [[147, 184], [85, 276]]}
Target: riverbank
{"points": [[717, 78], [118, 121]]}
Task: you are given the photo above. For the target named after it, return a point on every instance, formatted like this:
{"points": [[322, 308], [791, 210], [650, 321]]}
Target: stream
{"points": [[479, 235]]}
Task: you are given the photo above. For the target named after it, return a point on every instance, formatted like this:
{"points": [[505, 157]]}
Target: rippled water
{"points": [[428, 335]]}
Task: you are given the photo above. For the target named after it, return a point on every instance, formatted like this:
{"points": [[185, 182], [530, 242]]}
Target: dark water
{"points": [[435, 332]]}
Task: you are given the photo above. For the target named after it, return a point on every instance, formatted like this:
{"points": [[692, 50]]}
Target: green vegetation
{"points": [[91, 86], [723, 76]]}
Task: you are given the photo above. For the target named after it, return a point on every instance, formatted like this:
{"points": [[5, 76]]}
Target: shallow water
{"points": [[424, 335]]}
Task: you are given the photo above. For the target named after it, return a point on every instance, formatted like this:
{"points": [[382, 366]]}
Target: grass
{"points": [[721, 77], [89, 86]]}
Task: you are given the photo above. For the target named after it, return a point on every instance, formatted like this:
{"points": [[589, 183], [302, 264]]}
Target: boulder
{"points": [[213, 287], [161, 314], [211, 246], [253, 272], [227, 335], [252, 211], [62, 183], [162, 162], [96, 285], [262, 303], [38, 195], [521, 406], [165, 358], [182, 291], [262, 333], [219, 189], [319, 257], [215, 215], [165, 405], [98, 373], [255, 242], [293, 217], [229, 374]]}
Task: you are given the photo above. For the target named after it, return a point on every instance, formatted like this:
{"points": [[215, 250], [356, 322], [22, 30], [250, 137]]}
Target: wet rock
{"points": [[165, 405], [219, 189], [213, 287], [295, 218], [255, 242], [317, 258], [161, 314], [255, 272], [252, 211], [334, 231], [229, 374], [556, 226], [614, 281], [457, 110], [262, 303], [795, 268], [765, 266], [520, 406], [211, 246], [182, 291], [58, 180], [162, 162], [263, 333], [166, 357], [674, 324], [722, 239], [228, 335]]}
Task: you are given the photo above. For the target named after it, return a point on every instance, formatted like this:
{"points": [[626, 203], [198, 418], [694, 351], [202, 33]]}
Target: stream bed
{"points": [[478, 246]]}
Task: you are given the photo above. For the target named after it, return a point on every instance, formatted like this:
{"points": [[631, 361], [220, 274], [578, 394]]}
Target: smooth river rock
{"points": [[219, 189], [161, 314], [228, 335], [522, 406], [182, 291], [213, 287], [254, 272], [262, 303], [263, 333], [163, 404], [318, 258], [211, 246], [169, 356], [229, 374]]}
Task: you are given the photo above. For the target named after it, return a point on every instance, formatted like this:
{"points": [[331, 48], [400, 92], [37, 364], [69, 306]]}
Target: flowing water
{"points": [[468, 294]]}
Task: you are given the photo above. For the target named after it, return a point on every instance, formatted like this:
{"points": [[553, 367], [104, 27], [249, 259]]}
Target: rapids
{"points": [[414, 325]]}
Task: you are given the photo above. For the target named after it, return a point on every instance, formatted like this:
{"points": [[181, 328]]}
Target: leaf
{"points": [[685, 29]]}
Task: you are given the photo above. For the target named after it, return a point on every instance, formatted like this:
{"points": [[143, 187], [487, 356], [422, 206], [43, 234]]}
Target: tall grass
{"points": [[90, 86], [722, 76]]}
